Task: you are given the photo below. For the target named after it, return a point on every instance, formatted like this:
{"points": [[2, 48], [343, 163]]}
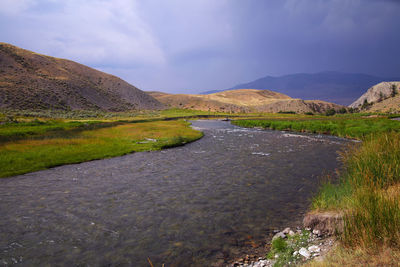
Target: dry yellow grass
{"points": [[342, 256]]}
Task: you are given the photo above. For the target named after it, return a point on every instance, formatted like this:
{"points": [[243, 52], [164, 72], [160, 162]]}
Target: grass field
{"points": [[350, 127], [367, 191], [28, 147]]}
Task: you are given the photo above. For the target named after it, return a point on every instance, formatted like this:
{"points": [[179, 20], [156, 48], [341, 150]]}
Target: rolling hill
{"points": [[32, 81], [337, 87], [243, 100], [382, 97]]}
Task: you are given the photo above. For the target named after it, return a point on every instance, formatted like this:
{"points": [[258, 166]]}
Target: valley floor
{"points": [[367, 192]]}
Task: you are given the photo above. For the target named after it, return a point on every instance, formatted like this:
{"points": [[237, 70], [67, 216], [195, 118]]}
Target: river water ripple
{"points": [[202, 203]]}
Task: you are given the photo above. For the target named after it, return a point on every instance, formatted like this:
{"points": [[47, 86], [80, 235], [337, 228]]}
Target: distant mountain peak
{"points": [[332, 86]]}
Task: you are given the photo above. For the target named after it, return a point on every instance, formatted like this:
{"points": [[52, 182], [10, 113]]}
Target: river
{"points": [[201, 204]]}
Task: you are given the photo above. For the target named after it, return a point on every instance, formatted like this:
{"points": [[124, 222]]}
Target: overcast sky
{"points": [[191, 46]]}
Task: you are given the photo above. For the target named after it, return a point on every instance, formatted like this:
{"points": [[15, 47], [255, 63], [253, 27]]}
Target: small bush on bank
{"points": [[330, 112], [282, 249]]}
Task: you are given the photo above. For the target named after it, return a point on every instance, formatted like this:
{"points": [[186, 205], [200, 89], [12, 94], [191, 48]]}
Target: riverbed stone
{"points": [[305, 253], [314, 249], [277, 235], [316, 232]]}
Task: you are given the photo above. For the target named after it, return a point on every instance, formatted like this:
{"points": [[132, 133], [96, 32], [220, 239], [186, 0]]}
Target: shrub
{"points": [[394, 91], [330, 112], [287, 112]]}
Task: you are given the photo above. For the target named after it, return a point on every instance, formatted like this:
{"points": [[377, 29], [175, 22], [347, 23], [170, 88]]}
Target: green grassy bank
{"points": [[367, 191], [350, 127], [36, 145]]}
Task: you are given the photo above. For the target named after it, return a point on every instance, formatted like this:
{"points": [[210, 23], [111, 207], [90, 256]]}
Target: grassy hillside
{"points": [[32, 81]]}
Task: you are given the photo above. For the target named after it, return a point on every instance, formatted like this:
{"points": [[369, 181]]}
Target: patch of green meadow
{"points": [[45, 148], [339, 126]]}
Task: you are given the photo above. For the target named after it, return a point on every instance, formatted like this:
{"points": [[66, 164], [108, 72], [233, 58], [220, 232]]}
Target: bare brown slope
{"points": [[391, 104], [31, 81], [244, 100], [379, 98]]}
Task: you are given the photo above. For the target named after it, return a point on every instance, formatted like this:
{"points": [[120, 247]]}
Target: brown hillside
{"points": [[391, 104], [33, 81], [378, 98], [243, 100]]}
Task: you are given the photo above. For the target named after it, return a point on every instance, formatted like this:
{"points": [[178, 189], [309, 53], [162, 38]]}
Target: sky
{"points": [[182, 46]]}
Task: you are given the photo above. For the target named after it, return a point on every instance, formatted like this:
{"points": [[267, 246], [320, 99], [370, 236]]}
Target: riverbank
{"points": [[367, 191], [27, 146], [40, 139]]}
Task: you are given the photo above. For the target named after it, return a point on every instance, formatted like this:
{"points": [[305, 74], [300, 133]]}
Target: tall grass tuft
{"points": [[373, 220], [368, 192]]}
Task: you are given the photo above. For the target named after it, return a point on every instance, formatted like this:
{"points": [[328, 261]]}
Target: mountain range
{"points": [[244, 100], [337, 87], [29, 80]]}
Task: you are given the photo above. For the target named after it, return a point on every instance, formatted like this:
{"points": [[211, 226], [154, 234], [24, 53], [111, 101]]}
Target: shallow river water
{"points": [[203, 203]]}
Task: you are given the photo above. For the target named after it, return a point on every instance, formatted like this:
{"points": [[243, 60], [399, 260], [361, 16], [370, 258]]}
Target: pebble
{"points": [[314, 249], [305, 253], [316, 232], [280, 234]]}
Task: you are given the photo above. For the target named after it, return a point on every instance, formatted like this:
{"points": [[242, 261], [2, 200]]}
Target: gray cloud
{"points": [[199, 45]]}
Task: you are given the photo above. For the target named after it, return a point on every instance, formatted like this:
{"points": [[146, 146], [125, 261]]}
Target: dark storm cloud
{"points": [[198, 45]]}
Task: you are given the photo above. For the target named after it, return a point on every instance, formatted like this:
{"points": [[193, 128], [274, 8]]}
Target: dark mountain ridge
{"points": [[338, 87], [33, 81]]}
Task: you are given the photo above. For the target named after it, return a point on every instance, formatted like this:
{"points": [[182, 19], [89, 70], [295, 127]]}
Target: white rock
{"points": [[305, 253], [314, 249], [291, 233], [280, 234], [316, 232], [286, 231], [295, 253]]}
